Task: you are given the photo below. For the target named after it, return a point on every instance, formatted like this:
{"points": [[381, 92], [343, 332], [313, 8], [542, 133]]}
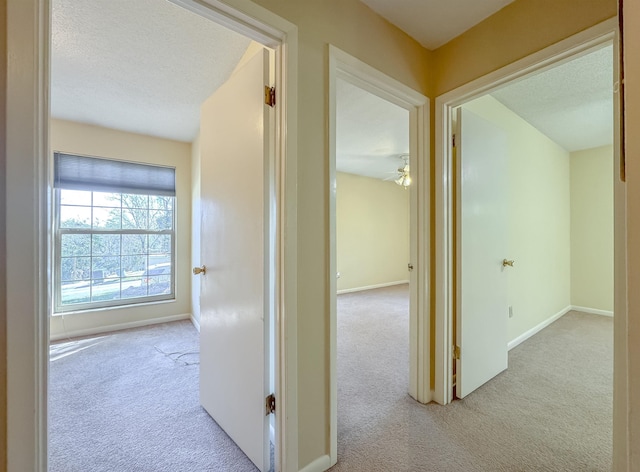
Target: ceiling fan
{"points": [[402, 176]]}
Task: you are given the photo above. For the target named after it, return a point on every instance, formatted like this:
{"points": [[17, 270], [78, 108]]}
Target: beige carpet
{"points": [[128, 402], [550, 411]]}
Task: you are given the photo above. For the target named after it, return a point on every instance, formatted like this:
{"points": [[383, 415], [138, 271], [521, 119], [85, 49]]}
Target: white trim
{"points": [[272, 433], [356, 72], [539, 327], [27, 233], [321, 464], [563, 51], [286, 336], [28, 245], [536, 329], [592, 311], [195, 322], [119, 327], [371, 287]]}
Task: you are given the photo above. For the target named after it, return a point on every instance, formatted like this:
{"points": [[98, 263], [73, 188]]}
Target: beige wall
{"points": [[90, 140], [516, 31], [539, 219], [592, 228], [354, 28], [372, 232], [195, 227], [627, 351]]}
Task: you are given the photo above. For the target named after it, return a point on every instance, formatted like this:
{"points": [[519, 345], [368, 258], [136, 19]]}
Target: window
{"points": [[114, 233]]}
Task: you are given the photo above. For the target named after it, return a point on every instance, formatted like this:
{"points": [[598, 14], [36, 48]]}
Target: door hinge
{"points": [[270, 96], [270, 404], [410, 266], [453, 140], [456, 352]]}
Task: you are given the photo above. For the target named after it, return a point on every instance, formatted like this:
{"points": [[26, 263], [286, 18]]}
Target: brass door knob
{"points": [[506, 263], [199, 270]]}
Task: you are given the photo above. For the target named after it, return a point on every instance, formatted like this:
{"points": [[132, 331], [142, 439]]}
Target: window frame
{"points": [[59, 309]]}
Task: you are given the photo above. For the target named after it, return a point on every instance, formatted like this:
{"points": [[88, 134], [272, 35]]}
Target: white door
{"points": [[482, 310], [234, 291]]}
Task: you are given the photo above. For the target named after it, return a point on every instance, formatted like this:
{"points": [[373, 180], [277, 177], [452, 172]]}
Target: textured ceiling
{"points": [[371, 133], [435, 22], [572, 103], [143, 66]]}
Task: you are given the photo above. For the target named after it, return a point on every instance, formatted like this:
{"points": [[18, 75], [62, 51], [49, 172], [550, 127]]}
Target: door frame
{"points": [[360, 74], [28, 228], [563, 51]]}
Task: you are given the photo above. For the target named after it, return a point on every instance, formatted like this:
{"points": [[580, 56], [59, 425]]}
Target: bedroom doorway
{"points": [[131, 138], [379, 194]]}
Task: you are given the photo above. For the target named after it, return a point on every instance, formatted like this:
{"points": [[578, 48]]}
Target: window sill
{"points": [[130, 306]]}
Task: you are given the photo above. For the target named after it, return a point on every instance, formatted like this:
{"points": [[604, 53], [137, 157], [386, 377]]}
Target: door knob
{"points": [[199, 270], [506, 263]]}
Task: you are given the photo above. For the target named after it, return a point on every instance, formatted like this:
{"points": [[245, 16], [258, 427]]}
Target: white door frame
{"points": [[563, 51], [28, 229], [356, 72]]}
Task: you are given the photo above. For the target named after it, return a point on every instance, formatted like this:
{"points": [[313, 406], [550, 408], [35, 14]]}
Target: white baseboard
{"points": [[371, 287], [321, 464], [593, 311], [118, 327], [195, 322], [536, 329]]}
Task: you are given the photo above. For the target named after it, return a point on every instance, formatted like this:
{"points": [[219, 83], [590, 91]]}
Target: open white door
{"points": [[482, 310], [235, 292]]}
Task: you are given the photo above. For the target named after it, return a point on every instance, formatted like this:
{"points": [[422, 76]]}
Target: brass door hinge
{"points": [[456, 352], [270, 96], [270, 404]]}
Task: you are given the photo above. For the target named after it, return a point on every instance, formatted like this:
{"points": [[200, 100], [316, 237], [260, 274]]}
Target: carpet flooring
{"points": [[128, 402], [550, 411]]}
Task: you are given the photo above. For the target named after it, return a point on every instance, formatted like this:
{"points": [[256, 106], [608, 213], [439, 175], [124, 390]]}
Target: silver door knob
{"points": [[506, 263], [199, 270]]}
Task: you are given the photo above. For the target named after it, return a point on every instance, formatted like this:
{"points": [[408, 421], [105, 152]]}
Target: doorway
{"points": [[350, 72], [575, 47], [124, 244], [268, 29], [545, 182], [373, 181]]}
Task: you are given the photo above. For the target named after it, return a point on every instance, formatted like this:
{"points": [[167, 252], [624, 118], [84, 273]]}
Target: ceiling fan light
{"points": [[404, 178]]}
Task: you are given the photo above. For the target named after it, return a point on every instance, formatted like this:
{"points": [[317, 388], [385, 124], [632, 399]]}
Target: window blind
{"points": [[107, 175]]}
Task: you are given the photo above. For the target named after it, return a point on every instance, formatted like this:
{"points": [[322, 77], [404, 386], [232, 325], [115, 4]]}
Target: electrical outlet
{"points": [[510, 311]]}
